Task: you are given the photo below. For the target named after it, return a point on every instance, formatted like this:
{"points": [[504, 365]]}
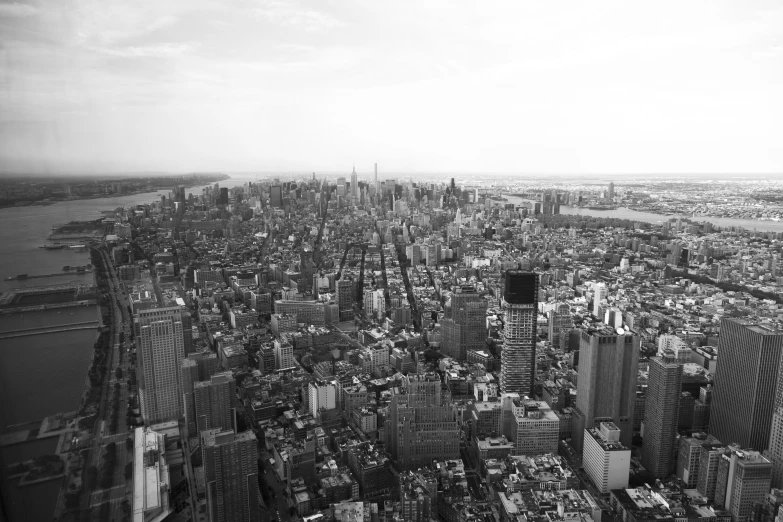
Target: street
{"points": [[277, 505]]}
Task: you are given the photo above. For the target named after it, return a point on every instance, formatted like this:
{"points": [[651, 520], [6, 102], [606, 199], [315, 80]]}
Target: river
{"points": [[649, 217]]}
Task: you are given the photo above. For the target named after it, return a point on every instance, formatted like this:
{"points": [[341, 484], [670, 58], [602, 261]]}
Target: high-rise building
{"points": [[775, 451], [688, 455], [531, 426], [744, 478], [322, 396], [345, 293], [284, 355], [195, 367], [606, 385], [160, 348], [372, 470], [464, 327], [276, 196], [231, 475], [709, 459], [661, 414], [746, 375], [520, 313], [354, 185], [215, 402], [610, 192], [600, 294], [422, 423], [605, 459]]}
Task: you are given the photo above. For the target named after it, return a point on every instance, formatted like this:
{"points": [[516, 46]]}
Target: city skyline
{"points": [[280, 84]]}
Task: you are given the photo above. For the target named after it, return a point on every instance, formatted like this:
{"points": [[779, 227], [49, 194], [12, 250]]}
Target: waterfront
{"points": [[649, 217], [43, 374], [35, 502]]}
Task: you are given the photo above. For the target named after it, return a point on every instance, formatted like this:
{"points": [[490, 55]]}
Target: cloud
{"points": [[17, 10], [161, 50], [162, 23], [287, 14]]}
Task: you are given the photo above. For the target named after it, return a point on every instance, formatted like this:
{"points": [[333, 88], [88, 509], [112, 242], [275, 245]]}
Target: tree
{"points": [[118, 373]]}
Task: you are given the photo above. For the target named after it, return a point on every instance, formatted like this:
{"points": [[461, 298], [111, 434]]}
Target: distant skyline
{"points": [[603, 88]]}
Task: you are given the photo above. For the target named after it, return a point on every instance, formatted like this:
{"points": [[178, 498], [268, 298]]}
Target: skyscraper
{"points": [[422, 423], [215, 402], [194, 368], [520, 311], [611, 190], [231, 475], [276, 196], [661, 414], [744, 478], [354, 185], [606, 387], [775, 451], [160, 348], [345, 298], [746, 380], [464, 327]]}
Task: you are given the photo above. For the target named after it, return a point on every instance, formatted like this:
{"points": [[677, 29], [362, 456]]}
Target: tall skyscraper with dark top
{"points": [[606, 387], [231, 475], [520, 311], [661, 414], [746, 383]]}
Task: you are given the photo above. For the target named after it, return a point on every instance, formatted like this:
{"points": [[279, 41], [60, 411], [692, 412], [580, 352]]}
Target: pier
{"points": [[40, 276], [48, 306], [86, 325]]}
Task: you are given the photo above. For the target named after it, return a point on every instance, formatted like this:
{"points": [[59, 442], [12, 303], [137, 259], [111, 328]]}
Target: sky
{"points": [[615, 87]]}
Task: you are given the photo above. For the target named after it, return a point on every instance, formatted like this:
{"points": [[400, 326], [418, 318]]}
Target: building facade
{"points": [[422, 423], [606, 460], [606, 385], [520, 313], [231, 475], [661, 414], [160, 349], [746, 381]]}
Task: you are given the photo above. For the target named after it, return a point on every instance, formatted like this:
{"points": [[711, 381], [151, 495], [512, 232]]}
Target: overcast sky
{"points": [[420, 85]]}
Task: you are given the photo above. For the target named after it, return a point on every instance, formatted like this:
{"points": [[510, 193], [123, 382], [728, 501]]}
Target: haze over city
{"points": [[515, 87], [410, 261]]}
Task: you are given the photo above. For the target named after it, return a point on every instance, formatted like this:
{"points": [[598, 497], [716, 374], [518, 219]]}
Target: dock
{"points": [[85, 325]]}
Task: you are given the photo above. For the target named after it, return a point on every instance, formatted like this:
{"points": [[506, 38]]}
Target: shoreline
{"points": [[50, 202]]}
